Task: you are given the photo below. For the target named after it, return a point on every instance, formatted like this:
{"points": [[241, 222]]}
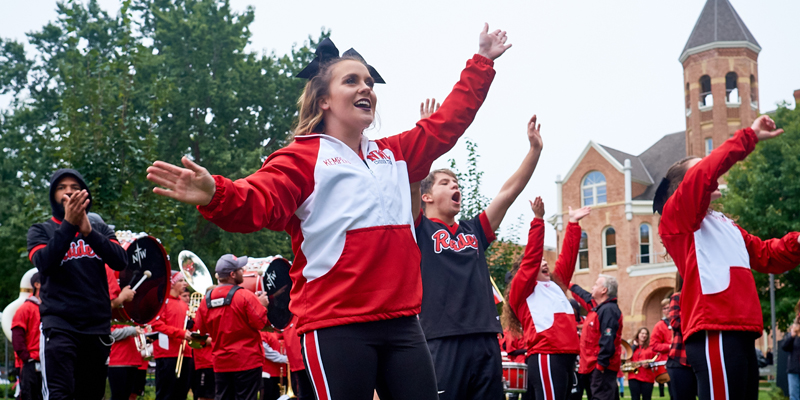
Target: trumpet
{"points": [[194, 303], [288, 393], [145, 350]]}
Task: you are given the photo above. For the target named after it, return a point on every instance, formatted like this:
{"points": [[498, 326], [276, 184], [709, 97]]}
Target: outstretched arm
{"points": [[773, 256], [514, 185], [565, 265], [524, 281]]}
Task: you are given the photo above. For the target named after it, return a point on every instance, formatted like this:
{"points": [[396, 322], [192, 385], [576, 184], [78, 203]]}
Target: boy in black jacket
{"points": [[70, 252]]}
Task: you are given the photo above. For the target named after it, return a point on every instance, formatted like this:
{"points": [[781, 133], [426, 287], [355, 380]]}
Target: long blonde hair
{"points": [[310, 117]]}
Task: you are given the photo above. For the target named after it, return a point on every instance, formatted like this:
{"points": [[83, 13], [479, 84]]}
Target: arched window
{"points": [[645, 244], [594, 189], [583, 252], [609, 247], [709, 145], [706, 99], [732, 88], [752, 89]]}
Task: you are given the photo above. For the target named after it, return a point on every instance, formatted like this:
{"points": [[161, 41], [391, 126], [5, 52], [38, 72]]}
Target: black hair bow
{"points": [[661, 196], [327, 51]]}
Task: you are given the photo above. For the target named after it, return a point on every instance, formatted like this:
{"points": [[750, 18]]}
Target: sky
{"points": [[603, 71]]}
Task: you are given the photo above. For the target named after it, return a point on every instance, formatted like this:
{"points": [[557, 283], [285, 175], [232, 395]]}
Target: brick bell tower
{"points": [[720, 76]]}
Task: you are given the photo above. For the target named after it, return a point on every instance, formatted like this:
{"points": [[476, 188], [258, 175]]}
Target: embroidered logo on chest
{"points": [[379, 157], [77, 250], [335, 161], [441, 241]]}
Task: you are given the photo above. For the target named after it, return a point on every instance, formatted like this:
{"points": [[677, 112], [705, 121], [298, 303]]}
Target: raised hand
{"points": [[764, 128], [492, 45], [427, 108], [537, 205], [191, 185], [75, 208], [577, 215], [534, 135]]}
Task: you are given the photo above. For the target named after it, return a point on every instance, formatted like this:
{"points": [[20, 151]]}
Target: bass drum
{"points": [[278, 284], [145, 253]]}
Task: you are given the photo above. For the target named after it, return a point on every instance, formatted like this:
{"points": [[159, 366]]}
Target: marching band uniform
{"points": [[336, 205], [459, 316], [301, 382], [641, 380], [203, 375], [515, 347], [714, 256], [234, 318], [546, 314], [682, 379], [169, 322], [123, 363], [660, 342], [75, 308], [275, 366], [25, 334]]}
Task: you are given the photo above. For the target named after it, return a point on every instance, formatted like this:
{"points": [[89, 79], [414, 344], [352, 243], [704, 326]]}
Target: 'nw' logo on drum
{"points": [[139, 255]]}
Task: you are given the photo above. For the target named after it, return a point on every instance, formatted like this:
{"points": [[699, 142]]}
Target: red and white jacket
{"points": [[170, 321], [713, 254], [349, 214], [547, 317], [643, 373]]}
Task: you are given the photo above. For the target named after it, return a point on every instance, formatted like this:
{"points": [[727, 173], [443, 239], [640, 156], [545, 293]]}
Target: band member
{"points": [[600, 336], [71, 252], [275, 367], [25, 339], [641, 380], [459, 316], [537, 297], [300, 381], [234, 318], [337, 193], [714, 256], [661, 341], [203, 375], [124, 362], [683, 382], [170, 324]]}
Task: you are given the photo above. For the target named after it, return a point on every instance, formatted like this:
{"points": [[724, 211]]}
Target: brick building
{"points": [[620, 238]]}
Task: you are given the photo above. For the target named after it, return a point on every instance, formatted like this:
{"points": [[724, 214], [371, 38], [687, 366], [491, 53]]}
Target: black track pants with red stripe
{"points": [[350, 361], [550, 375], [725, 364]]}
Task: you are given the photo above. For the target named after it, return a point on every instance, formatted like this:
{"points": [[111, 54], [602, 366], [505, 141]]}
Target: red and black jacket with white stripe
{"points": [[601, 336], [547, 317], [349, 215], [713, 254]]}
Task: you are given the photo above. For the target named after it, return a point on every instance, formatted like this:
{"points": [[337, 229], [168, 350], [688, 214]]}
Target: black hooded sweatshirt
{"points": [[74, 289]]}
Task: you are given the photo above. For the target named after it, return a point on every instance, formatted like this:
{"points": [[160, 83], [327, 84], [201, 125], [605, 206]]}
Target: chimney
{"points": [[797, 97]]}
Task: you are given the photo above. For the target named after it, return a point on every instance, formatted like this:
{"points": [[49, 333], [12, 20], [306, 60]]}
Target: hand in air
{"points": [[427, 108], [191, 185], [577, 215], [534, 135], [764, 128], [492, 45], [537, 205], [75, 208]]}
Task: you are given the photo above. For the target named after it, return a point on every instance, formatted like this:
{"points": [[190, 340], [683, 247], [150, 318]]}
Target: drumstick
{"points": [[147, 274]]}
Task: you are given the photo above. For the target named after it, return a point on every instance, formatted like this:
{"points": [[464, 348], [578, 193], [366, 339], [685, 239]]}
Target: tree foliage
{"points": [[764, 196], [108, 95]]}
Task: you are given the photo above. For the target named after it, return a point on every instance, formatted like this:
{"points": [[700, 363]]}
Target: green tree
{"points": [[108, 95], [764, 196]]}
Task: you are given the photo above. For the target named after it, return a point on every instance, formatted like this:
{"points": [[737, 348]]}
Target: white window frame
{"points": [[578, 260], [606, 247], [593, 187], [649, 244]]}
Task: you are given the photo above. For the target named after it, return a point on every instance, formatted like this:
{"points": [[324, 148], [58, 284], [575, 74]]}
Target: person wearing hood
{"points": [[71, 251]]}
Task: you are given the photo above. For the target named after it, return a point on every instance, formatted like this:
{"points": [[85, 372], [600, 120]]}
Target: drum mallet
{"points": [[147, 274]]}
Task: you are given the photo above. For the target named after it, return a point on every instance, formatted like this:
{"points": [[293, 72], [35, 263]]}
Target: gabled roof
{"points": [[638, 171], [719, 26]]}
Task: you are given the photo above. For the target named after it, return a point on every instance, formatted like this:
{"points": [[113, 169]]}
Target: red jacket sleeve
{"points": [[169, 330], [269, 197], [435, 135], [256, 313], [675, 312], [199, 318], [661, 340], [773, 256], [113, 287], [565, 265], [583, 297], [524, 282], [686, 208]]}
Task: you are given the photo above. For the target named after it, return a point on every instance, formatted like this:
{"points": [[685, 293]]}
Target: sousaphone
{"points": [[195, 272], [25, 291]]}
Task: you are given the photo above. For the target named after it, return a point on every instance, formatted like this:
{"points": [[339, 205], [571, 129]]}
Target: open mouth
{"points": [[363, 104], [457, 197]]}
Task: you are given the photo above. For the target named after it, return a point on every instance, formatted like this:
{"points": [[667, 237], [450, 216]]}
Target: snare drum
{"points": [[515, 377]]}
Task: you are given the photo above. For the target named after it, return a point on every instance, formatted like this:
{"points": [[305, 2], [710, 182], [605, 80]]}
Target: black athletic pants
{"points": [[238, 385], [584, 384], [604, 385], [550, 375], [123, 381], [640, 390], [682, 381], [270, 389], [724, 362], [468, 366], [73, 364], [203, 383], [351, 361], [168, 385], [30, 382], [301, 385]]}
